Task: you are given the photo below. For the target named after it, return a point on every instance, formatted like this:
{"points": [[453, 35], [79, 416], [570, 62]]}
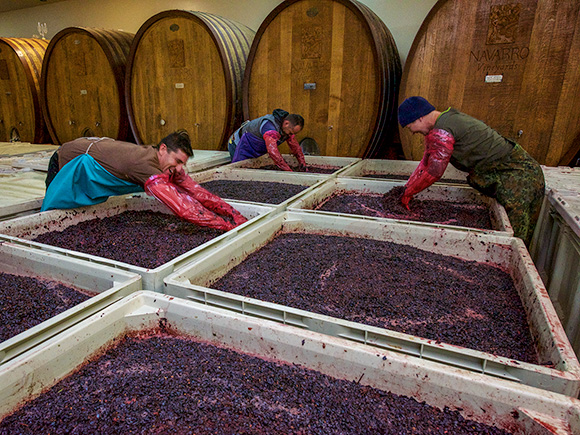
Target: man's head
{"points": [[292, 124], [173, 151], [412, 110]]}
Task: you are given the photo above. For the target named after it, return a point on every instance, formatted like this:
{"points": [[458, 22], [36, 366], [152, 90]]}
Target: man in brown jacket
{"points": [[92, 169]]}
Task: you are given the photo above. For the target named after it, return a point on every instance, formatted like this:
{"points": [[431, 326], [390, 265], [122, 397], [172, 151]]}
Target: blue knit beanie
{"points": [[412, 109]]}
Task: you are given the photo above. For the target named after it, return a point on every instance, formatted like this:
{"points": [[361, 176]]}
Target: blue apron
{"points": [[83, 181]]}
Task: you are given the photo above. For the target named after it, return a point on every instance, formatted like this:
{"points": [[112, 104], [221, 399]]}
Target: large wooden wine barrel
{"points": [[514, 65], [83, 83], [20, 70], [185, 71], [335, 63]]}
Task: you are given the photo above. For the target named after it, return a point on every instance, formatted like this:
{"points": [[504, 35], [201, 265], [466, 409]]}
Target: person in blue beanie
{"points": [[263, 135], [497, 166]]}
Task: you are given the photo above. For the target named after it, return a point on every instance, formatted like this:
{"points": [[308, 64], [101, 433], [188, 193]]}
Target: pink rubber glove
{"points": [[208, 199], [182, 204], [271, 138], [438, 150], [297, 151]]}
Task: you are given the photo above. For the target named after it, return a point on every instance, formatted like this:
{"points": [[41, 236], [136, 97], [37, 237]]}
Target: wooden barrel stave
{"points": [[387, 123], [350, 55], [20, 72], [202, 60], [83, 82]]}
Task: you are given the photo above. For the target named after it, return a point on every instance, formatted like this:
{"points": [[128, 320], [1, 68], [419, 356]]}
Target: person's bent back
{"points": [[263, 135], [93, 169]]}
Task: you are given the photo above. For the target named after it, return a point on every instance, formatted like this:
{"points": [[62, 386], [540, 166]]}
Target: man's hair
{"points": [[295, 119], [178, 140]]}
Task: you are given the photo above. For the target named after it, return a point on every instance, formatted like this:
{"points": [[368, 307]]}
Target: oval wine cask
{"points": [[514, 65], [335, 63], [185, 72], [20, 71], [83, 79]]}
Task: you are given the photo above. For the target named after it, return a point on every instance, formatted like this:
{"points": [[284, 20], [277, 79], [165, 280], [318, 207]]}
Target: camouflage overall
{"points": [[517, 182]]}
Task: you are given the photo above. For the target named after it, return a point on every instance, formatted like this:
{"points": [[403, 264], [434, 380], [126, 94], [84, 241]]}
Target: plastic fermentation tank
{"points": [[21, 230], [205, 159], [22, 193], [37, 161], [453, 194], [194, 283], [309, 181], [517, 408], [556, 252], [398, 169], [323, 161], [110, 284]]}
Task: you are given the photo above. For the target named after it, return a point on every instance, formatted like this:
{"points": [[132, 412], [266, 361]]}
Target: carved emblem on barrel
{"points": [[503, 23]]}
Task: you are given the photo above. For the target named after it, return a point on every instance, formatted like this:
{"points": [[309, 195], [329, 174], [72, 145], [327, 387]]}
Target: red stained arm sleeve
{"points": [[206, 198], [439, 143], [296, 150], [271, 138], [182, 204], [438, 150]]}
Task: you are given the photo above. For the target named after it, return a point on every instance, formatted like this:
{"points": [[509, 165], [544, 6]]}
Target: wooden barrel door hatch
{"points": [[514, 65], [185, 71], [20, 71], [83, 79], [335, 63]]}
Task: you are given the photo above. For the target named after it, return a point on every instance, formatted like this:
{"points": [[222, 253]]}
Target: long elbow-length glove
{"points": [[438, 149], [297, 151], [206, 198], [182, 204], [271, 138]]}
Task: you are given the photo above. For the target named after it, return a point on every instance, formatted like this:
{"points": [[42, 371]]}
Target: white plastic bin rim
{"points": [[53, 220], [476, 396], [499, 218], [193, 282], [110, 284]]}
